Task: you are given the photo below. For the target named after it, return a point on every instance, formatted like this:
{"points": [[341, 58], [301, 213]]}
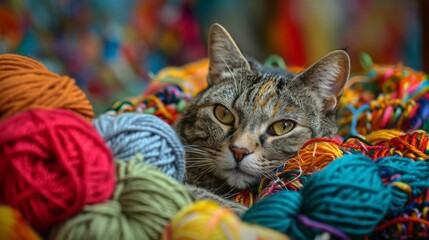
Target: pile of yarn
{"points": [[52, 161], [384, 97], [347, 199], [59, 174], [317, 153], [207, 220], [168, 94]]}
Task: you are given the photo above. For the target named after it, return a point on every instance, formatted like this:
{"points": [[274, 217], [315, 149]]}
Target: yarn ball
{"points": [[52, 163], [346, 199], [145, 199], [15, 62], [13, 225], [26, 84], [129, 134], [207, 220]]}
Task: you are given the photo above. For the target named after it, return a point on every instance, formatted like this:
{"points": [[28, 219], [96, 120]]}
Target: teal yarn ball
{"points": [[277, 211], [411, 175], [129, 134], [346, 199], [349, 195]]}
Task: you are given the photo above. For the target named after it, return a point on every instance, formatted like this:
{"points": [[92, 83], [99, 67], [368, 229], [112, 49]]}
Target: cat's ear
{"points": [[224, 55], [327, 78]]}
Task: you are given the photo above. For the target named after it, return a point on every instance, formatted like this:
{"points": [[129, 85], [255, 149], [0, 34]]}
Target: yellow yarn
{"points": [[377, 137], [13, 226], [191, 77], [207, 220]]}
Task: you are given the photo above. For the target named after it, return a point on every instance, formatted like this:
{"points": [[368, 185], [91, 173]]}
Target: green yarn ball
{"points": [[145, 199]]}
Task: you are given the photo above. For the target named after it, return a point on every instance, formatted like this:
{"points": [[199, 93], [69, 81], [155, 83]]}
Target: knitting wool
{"points": [[347, 199], [317, 153], [13, 226], [14, 62], [52, 163], [26, 84], [145, 199], [207, 220], [129, 134], [168, 94], [384, 97]]}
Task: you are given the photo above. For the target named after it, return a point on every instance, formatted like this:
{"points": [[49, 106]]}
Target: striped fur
{"points": [[257, 97]]}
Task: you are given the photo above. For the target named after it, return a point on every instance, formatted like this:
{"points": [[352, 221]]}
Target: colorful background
{"points": [[112, 48]]}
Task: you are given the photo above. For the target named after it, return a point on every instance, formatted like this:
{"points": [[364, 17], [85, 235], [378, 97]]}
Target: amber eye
{"points": [[281, 127], [223, 114]]}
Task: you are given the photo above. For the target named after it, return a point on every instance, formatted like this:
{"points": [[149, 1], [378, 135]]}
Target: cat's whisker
{"points": [[200, 150], [196, 166], [227, 194], [201, 174], [192, 159], [269, 175], [196, 153], [198, 163], [195, 150]]}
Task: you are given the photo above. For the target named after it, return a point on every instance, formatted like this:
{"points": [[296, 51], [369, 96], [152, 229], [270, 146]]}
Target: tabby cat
{"points": [[251, 118]]}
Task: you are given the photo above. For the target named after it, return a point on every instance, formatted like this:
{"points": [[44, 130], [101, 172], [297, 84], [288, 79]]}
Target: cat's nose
{"points": [[239, 153]]}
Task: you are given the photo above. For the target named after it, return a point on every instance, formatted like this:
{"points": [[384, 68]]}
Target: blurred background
{"points": [[113, 47]]}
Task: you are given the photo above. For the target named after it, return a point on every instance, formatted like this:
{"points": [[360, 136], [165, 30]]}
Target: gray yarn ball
{"points": [[130, 134]]}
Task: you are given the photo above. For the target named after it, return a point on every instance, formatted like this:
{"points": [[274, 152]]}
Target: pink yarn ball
{"points": [[52, 163]]}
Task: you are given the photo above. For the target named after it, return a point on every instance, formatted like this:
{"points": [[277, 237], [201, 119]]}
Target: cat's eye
{"points": [[223, 114], [281, 127]]}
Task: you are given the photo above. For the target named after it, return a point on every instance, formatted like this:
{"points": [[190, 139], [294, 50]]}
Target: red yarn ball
{"points": [[52, 163]]}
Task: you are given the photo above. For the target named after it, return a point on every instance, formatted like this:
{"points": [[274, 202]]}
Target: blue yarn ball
{"points": [[348, 195], [129, 134]]}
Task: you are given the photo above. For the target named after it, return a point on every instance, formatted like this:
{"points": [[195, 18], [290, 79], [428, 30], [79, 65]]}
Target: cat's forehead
{"points": [[255, 96], [265, 99]]}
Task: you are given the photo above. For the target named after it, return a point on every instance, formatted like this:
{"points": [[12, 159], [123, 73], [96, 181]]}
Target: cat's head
{"points": [[251, 119]]}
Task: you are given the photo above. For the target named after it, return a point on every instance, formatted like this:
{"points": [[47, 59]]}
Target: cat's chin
{"points": [[239, 179]]}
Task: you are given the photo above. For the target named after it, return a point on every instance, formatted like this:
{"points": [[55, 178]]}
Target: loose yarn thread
{"points": [[129, 134], [170, 92], [319, 152], [145, 199], [384, 97], [26, 84], [347, 199], [52, 163]]}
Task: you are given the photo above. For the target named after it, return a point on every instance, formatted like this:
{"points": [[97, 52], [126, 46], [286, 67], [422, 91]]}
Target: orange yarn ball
{"points": [[313, 157], [26, 84], [14, 62]]}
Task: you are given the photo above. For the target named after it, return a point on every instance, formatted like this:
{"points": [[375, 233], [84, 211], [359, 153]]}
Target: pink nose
{"points": [[239, 153]]}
